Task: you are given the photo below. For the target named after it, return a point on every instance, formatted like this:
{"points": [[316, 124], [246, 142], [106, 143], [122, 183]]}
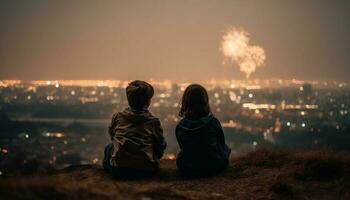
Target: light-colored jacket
{"points": [[138, 140]]}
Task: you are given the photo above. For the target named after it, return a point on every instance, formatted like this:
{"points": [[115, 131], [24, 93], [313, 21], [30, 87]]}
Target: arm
{"points": [[160, 143], [112, 126], [221, 140]]}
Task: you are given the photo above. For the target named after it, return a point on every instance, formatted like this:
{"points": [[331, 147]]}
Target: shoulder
{"points": [[156, 124], [153, 119], [215, 122], [181, 123], [116, 117], [150, 116], [156, 121]]}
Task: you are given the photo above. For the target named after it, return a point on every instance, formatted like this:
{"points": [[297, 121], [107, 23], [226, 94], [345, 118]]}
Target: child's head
{"points": [[195, 102], [139, 94]]}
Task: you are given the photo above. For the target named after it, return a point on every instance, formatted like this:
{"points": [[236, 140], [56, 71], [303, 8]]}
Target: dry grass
{"points": [[259, 175]]}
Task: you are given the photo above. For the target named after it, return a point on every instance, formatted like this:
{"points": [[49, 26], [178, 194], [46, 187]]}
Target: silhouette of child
{"points": [[200, 136], [137, 136]]}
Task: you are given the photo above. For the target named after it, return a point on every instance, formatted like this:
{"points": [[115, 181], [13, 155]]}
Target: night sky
{"points": [[176, 40]]}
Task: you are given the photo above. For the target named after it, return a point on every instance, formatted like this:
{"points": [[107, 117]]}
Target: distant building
{"points": [[306, 93], [306, 89]]}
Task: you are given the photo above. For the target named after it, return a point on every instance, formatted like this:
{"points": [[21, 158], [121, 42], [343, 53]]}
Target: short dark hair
{"points": [[139, 94], [195, 102]]}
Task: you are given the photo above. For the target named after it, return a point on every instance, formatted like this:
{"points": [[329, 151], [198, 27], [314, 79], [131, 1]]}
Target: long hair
{"points": [[195, 102]]}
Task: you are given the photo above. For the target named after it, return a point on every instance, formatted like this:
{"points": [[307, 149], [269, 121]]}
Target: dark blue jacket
{"points": [[202, 145]]}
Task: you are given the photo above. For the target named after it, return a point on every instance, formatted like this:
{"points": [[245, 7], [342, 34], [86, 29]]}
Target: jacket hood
{"points": [[137, 115], [192, 125]]}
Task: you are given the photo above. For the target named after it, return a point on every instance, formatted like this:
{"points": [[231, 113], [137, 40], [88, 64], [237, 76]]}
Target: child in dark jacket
{"points": [[137, 136], [200, 136]]}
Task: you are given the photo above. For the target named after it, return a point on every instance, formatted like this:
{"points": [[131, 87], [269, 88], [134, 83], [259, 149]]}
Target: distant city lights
{"points": [[262, 112], [4, 151], [54, 134], [253, 106], [95, 161], [169, 156]]}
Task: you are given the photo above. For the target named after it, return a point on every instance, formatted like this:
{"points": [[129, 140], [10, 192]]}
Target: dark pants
{"points": [[122, 172]]}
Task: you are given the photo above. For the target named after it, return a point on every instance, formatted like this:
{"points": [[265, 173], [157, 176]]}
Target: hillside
{"points": [[259, 175]]}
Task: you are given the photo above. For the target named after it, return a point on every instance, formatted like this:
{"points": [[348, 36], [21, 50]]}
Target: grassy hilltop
{"points": [[259, 175]]}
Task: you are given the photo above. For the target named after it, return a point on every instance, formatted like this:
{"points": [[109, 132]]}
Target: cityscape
{"points": [[244, 99], [52, 124]]}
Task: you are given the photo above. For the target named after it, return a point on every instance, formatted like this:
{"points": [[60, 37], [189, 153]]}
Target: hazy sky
{"points": [[177, 40]]}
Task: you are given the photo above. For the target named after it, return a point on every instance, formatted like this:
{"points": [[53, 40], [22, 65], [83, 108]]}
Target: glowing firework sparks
{"points": [[236, 49]]}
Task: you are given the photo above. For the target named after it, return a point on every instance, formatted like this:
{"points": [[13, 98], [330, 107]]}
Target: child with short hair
{"points": [[137, 136]]}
